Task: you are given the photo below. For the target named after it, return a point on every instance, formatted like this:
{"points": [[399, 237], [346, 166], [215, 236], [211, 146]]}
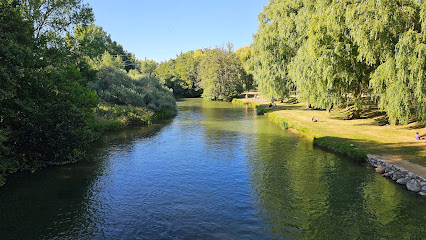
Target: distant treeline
{"points": [[214, 74], [332, 53], [346, 53], [64, 82]]}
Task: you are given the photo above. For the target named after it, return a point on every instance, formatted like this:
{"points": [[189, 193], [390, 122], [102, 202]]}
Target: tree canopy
{"points": [[334, 52], [221, 74], [180, 74], [51, 84]]}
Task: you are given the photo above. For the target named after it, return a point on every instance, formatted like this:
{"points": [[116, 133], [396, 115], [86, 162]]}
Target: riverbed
{"points": [[216, 171]]}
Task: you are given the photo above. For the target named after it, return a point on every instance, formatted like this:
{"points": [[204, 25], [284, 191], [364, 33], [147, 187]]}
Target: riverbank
{"points": [[355, 138], [115, 117], [107, 118]]}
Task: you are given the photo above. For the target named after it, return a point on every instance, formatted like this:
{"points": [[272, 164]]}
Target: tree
{"points": [[281, 32], [146, 66], [325, 70], [16, 41], [106, 60], [391, 38], [399, 84], [180, 74], [45, 112], [340, 52], [91, 41], [53, 17], [220, 74], [115, 86], [244, 54]]}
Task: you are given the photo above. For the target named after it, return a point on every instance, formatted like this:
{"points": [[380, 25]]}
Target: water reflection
{"points": [[308, 193], [217, 171], [59, 199]]}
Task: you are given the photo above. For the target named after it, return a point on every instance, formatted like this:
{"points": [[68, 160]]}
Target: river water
{"points": [[216, 171]]}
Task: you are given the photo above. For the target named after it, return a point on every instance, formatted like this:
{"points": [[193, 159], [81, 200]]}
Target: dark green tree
{"points": [[46, 113], [180, 74]]}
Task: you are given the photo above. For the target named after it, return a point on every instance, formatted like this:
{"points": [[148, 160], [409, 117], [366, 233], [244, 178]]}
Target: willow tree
{"points": [[220, 73], [399, 84], [339, 51], [282, 30], [389, 38], [326, 70]]}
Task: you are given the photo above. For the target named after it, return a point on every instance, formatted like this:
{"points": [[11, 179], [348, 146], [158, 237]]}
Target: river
{"points": [[216, 171]]}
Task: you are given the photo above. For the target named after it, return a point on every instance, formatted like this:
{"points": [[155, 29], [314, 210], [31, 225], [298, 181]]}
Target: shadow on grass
{"points": [[416, 125], [358, 149], [379, 117], [278, 108]]}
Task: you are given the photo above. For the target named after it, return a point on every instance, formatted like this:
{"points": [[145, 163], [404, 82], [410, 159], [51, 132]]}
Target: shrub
{"points": [[116, 87], [260, 109]]}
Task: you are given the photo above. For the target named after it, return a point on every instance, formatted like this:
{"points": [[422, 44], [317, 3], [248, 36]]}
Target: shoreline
{"points": [[411, 175]]}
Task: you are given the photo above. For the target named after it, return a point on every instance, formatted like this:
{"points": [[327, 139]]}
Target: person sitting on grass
{"points": [[420, 137], [314, 119]]}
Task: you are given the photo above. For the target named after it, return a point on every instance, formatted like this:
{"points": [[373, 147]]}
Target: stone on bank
{"points": [[400, 175]]}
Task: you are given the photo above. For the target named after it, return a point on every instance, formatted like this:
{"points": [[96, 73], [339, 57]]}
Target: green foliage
{"points": [[111, 117], [106, 60], [93, 44], [180, 74], [281, 31], [260, 109], [52, 17], [115, 86], [146, 66], [244, 54], [45, 111], [399, 83], [221, 74], [336, 52], [91, 41], [342, 146]]}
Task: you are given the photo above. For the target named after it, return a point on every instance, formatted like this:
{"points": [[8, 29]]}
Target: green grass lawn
{"points": [[367, 135]]}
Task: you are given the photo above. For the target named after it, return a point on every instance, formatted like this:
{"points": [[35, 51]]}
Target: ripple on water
{"points": [[217, 171]]}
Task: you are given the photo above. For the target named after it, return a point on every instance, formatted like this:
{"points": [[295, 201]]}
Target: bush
{"points": [[112, 117], [116, 87], [260, 109]]}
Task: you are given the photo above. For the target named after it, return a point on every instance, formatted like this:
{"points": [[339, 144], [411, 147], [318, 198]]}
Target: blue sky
{"points": [[161, 29]]}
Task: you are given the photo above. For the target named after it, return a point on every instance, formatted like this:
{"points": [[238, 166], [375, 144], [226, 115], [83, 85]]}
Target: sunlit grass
{"points": [[357, 136]]}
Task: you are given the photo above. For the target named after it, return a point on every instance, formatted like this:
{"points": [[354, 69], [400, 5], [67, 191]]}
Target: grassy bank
{"points": [[114, 117], [355, 138]]}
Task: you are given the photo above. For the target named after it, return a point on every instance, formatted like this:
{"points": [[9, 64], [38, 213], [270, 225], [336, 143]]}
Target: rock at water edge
{"points": [[413, 185], [402, 181]]}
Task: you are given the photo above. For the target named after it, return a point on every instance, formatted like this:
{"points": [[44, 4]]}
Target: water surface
{"points": [[217, 171]]}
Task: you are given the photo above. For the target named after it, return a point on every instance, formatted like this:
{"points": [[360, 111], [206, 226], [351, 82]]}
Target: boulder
{"points": [[397, 175], [402, 181], [413, 185]]}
